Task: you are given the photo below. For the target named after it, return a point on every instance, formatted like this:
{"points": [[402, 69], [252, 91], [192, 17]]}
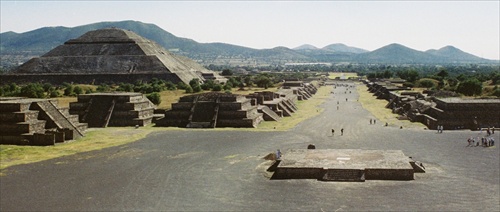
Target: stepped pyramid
{"points": [[113, 109], [26, 121], [108, 55], [210, 110]]}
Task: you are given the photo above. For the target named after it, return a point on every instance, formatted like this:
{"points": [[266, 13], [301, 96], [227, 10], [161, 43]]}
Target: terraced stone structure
{"points": [[210, 110], [108, 55], [113, 109], [274, 105], [37, 122], [353, 165], [303, 90], [451, 113]]}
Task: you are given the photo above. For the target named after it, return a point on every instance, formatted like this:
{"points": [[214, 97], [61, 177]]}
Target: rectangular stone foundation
{"points": [[352, 165]]}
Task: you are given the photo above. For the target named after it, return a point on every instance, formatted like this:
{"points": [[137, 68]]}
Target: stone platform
{"points": [[344, 165]]}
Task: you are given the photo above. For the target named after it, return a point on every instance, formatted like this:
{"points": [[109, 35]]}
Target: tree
{"points": [[126, 87], [228, 86], [195, 85], [209, 84], [154, 97], [189, 89], [227, 72], [470, 87], [103, 88], [426, 83], [263, 81], [443, 73], [170, 86], [217, 87], [33, 90], [69, 90], [78, 90]]}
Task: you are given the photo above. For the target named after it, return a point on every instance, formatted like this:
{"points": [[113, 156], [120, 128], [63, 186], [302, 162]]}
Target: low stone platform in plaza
{"points": [[344, 165]]}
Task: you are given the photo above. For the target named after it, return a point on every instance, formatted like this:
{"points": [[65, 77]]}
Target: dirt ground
{"points": [[204, 170]]}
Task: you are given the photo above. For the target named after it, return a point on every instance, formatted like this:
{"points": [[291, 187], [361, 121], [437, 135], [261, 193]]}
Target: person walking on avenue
{"points": [[342, 131], [333, 132], [370, 121]]}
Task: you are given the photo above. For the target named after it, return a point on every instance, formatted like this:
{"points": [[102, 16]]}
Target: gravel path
{"points": [[204, 170]]}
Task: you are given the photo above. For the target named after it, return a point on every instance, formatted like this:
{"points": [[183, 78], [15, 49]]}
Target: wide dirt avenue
{"points": [[218, 170]]}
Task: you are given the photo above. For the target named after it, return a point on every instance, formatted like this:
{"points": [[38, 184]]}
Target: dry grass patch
{"points": [[95, 139], [64, 101], [306, 110], [377, 108], [339, 74]]}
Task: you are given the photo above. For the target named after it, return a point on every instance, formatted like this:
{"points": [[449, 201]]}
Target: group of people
{"points": [[490, 131], [373, 121], [483, 141], [440, 128]]}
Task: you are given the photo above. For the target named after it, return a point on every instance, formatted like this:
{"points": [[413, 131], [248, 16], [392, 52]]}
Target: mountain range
{"points": [[16, 48]]}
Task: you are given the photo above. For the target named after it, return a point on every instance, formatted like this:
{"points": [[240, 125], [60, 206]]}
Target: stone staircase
{"points": [[113, 109], [36, 122]]}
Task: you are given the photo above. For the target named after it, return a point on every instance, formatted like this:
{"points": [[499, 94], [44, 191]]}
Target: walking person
{"points": [[342, 131], [333, 132]]}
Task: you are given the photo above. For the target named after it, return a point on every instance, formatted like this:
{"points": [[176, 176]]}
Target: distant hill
{"points": [[17, 48], [305, 46], [453, 54], [339, 47], [396, 53]]}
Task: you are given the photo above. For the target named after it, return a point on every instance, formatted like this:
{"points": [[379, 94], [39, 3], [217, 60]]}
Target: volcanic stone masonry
{"points": [[451, 113], [354, 165], [113, 109], [109, 56], [210, 110], [27, 121]]}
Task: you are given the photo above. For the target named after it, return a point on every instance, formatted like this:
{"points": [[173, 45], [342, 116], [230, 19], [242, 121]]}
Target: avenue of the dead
{"points": [[223, 170]]}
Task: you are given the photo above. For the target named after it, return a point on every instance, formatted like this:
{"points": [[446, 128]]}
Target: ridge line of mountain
{"points": [[44, 39]]}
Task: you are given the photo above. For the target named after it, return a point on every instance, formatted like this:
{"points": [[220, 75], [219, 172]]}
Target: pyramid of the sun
{"points": [[109, 55]]}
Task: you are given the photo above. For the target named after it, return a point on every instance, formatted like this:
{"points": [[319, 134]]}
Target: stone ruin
{"points": [[451, 113], [274, 105], [113, 109], [108, 56], [38, 122], [303, 90], [210, 110], [348, 165]]}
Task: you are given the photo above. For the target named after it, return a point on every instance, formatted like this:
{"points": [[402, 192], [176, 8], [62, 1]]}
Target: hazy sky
{"points": [[472, 26]]}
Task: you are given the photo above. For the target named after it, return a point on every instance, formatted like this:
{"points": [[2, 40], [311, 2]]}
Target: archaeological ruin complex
{"points": [[214, 109], [451, 113]]}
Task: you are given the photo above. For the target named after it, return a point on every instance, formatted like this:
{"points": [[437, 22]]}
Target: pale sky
{"points": [[472, 26]]}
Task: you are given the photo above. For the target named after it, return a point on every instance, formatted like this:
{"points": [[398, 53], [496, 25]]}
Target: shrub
{"points": [[154, 97]]}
